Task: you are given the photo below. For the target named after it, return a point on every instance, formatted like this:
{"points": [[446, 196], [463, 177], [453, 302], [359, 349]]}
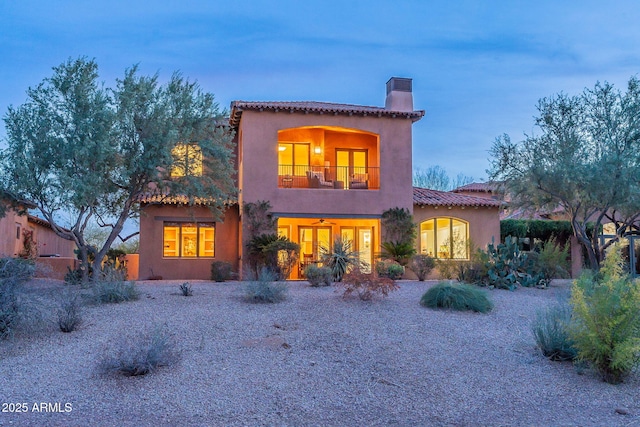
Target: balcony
{"points": [[329, 177]]}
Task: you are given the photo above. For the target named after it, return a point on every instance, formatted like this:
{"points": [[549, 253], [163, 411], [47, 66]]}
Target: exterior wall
{"points": [[258, 163], [152, 262], [484, 223], [11, 241], [49, 243], [258, 144]]}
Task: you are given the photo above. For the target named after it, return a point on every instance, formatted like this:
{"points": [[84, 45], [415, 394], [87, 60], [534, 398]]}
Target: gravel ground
{"points": [[312, 360]]}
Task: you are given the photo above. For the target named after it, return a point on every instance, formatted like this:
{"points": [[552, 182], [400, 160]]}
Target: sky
{"points": [[478, 67]]}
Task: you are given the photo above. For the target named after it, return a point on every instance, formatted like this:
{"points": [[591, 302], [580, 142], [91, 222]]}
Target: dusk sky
{"points": [[478, 68]]}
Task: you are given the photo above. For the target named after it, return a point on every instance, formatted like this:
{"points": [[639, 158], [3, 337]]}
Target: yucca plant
{"points": [[341, 258]]}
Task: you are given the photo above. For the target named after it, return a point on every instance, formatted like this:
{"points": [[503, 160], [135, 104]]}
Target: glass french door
{"points": [[350, 162], [311, 240], [361, 239]]}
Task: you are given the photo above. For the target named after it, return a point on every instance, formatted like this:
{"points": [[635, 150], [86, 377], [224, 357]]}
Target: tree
{"points": [[82, 149], [585, 161], [437, 178]]}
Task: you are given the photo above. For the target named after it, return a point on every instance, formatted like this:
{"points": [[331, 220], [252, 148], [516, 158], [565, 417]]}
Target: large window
{"points": [[293, 158], [187, 160], [444, 238], [188, 240]]}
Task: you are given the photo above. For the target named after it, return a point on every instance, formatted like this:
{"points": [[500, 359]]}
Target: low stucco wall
{"points": [[132, 263], [56, 267]]}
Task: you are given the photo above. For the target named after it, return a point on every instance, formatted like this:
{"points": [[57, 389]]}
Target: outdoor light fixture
{"points": [[317, 149]]}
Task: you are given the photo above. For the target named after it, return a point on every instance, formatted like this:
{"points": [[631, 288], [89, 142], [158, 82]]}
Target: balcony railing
{"points": [[329, 177]]}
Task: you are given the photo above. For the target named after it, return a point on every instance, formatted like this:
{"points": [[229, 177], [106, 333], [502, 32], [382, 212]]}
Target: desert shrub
{"points": [[10, 307], [447, 268], [221, 271], [110, 287], [553, 261], [400, 252], [422, 265], [276, 253], [265, 288], [551, 332], [341, 258], [365, 285], [318, 276], [508, 267], [17, 270], [73, 277], [186, 289], [389, 268], [605, 325], [457, 296], [141, 354], [69, 313]]}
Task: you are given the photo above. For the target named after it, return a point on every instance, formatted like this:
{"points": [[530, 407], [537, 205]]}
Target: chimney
{"points": [[399, 96]]}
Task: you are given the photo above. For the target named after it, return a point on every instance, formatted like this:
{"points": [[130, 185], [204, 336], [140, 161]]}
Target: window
{"points": [[445, 238], [187, 160], [188, 240], [293, 158]]}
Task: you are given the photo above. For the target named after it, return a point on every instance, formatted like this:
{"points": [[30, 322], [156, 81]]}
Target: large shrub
{"points": [[341, 258], [318, 276], [276, 253], [111, 287], [457, 296], [508, 267], [605, 326], [422, 265], [366, 285], [15, 310], [551, 332], [221, 271], [399, 235], [389, 268]]}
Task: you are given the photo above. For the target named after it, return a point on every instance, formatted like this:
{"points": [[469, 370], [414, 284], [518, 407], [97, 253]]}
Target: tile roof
{"points": [[237, 107], [481, 187], [426, 197]]}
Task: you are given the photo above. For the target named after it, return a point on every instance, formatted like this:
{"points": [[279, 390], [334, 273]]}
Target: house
{"points": [[327, 170], [18, 227]]}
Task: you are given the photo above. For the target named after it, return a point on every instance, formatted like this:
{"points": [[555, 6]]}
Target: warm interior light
{"points": [[281, 147], [317, 149]]}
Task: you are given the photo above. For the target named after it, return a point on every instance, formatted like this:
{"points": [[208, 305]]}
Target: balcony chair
{"points": [[316, 180], [359, 181]]}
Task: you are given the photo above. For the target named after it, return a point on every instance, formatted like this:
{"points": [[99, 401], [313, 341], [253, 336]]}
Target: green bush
{"points": [[341, 258], [448, 268], [110, 287], [69, 313], [186, 289], [422, 265], [398, 251], [508, 267], [389, 268], [17, 270], [605, 326], [221, 271], [10, 307], [141, 354], [553, 261], [457, 296], [276, 253], [551, 332], [265, 288], [318, 276]]}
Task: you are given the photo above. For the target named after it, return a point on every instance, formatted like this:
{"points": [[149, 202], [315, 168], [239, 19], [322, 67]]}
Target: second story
{"points": [[307, 157]]}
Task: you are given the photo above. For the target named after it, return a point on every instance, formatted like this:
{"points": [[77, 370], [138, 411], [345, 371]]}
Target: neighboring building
{"points": [[327, 170]]}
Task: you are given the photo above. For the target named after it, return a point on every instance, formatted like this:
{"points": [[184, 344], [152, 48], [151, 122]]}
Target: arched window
{"points": [[445, 238]]}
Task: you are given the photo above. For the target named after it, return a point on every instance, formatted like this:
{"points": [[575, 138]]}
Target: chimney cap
{"points": [[399, 84]]}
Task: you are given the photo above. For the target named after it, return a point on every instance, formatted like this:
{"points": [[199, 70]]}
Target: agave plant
{"points": [[341, 258]]}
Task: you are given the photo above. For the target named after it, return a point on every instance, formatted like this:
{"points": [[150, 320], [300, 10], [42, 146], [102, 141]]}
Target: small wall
{"points": [[56, 267], [132, 263]]}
